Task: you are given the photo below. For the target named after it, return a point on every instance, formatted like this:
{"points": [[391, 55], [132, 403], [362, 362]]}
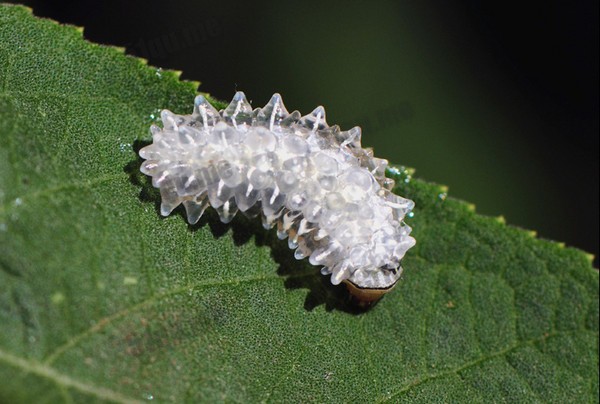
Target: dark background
{"points": [[498, 100]]}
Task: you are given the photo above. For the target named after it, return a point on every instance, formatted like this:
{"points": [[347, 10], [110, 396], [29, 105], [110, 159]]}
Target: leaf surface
{"points": [[103, 300]]}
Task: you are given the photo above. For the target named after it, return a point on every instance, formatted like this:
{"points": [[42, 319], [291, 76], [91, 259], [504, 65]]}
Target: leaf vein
{"points": [[282, 378], [475, 362], [523, 379], [98, 326], [63, 380]]}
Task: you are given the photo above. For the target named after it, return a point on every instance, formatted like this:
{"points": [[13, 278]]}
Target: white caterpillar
{"points": [[322, 189]]}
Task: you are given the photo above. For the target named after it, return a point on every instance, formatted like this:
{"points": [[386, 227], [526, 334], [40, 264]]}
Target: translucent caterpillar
{"points": [[314, 182]]}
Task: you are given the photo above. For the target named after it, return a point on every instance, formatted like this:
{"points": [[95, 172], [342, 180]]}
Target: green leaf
{"points": [[101, 299]]}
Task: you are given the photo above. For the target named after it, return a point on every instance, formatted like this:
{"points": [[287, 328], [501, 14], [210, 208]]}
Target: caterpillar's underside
{"points": [[316, 183]]}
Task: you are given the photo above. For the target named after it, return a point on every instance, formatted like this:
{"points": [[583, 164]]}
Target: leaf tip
{"points": [[471, 207], [215, 102], [25, 8], [195, 83], [531, 233], [410, 171], [500, 219]]}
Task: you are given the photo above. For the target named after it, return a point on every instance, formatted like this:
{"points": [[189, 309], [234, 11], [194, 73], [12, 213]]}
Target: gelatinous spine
{"points": [[315, 182]]}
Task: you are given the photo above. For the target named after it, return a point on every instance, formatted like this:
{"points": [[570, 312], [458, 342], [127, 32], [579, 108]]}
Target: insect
{"points": [[314, 182]]}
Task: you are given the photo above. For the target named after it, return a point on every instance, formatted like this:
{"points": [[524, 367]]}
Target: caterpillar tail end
{"points": [[364, 297]]}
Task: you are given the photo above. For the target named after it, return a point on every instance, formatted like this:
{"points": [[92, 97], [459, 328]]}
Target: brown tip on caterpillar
{"points": [[364, 296]]}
